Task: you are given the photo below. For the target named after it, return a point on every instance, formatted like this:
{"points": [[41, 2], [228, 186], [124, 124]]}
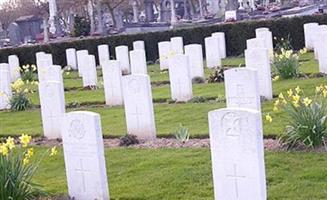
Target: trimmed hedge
{"points": [[236, 36]]}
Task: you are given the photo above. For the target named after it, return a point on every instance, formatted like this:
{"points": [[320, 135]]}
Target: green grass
{"points": [[168, 116], [186, 174]]}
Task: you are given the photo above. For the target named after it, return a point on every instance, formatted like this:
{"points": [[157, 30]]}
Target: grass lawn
{"points": [[186, 174], [168, 116]]}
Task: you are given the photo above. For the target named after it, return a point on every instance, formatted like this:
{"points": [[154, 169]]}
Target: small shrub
{"points": [[198, 100], [19, 100], [82, 26], [128, 140], [198, 80], [217, 76], [182, 134], [283, 43], [17, 170], [28, 73], [307, 123], [286, 64]]}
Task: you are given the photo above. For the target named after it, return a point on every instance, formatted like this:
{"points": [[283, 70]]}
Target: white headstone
{"points": [[230, 15], [90, 78], [123, 57], [322, 55], [14, 65], [320, 31], [176, 45], [5, 86], [213, 58], [71, 58], [82, 60], [255, 43], [309, 29], [38, 57], [54, 73], [180, 80], [237, 154], [139, 106], [258, 59], [242, 88], [195, 55], [84, 156], [44, 63], [104, 54], [52, 100], [112, 81], [222, 43], [164, 53], [265, 34], [139, 45], [138, 62]]}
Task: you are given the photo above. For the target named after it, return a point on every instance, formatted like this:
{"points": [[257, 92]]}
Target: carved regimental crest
{"points": [[77, 129]]}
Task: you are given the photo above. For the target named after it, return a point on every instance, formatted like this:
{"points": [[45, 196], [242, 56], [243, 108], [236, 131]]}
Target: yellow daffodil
{"points": [[4, 149], [298, 90], [275, 108], [307, 101], [276, 103], [296, 104], [268, 118], [10, 143], [30, 153], [319, 88], [303, 51], [276, 78], [324, 93], [25, 140], [281, 96], [53, 151], [26, 161]]}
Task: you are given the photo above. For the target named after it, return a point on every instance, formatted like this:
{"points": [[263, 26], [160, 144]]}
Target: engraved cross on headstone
{"points": [[236, 178], [82, 171], [137, 114]]}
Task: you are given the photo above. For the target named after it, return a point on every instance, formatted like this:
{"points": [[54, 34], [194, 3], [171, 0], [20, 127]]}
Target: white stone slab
{"points": [[44, 63], [112, 81], [309, 29], [5, 86], [139, 45], [222, 43], [321, 30], [176, 45], [71, 58], [90, 78], [213, 57], [237, 154], [164, 53], [139, 106], [258, 59], [52, 101], [180, 79], [242, 88], [265, 34], [82, 60], [195, 55], [123, 57], [84, 156], [104, 54], [38, 56], [322, 55], [138, 62], [255, 43], [14, 65], [230, 15]]}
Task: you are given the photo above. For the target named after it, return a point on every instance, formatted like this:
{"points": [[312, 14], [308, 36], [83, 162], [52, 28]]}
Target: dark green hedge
{"points": [[236, 36]]}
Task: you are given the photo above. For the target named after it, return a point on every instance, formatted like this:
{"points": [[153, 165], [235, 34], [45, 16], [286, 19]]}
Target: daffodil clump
{"points": [[19, 100], [286, 63], [307, 117], [28, 73], [18, 165]]}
